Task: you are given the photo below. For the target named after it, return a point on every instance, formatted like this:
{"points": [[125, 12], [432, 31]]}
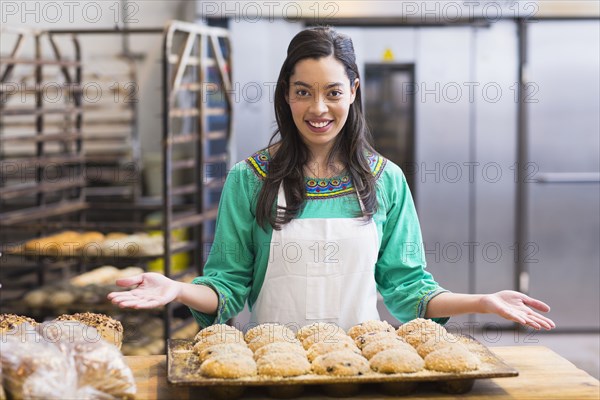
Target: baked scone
{"points": [[9, 322], [228, 366], [209, 341], [322, 337], [327, 328], [269, 329], [394, 361], [279, 347], [392, 343], [452, 359], [224, 348], [318, 349], [420, 330], [110, 329], [283, 364], [264, 334], [435, 343], [341, 363], [369, 326], [219, 329], [370, 337]]}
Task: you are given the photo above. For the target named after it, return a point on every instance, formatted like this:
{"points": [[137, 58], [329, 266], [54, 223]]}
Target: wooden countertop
{"points": [[543, 374]]}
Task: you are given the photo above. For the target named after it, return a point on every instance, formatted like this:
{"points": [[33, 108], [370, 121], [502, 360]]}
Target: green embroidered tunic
{"points": [[237, 262]]}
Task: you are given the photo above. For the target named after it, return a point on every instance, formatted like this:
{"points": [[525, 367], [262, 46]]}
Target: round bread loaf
{"points": [[283, 364], [110, 329], [279, 347], [209, 341], [228, 366], [318, 349], [435, 343], [269, 329], [391, 343], [396, 360], [9, 322], [326, 328], [224, 348], [326, 337], [221, 330], [369, 337], [369, 326], [341, 363], [452, 359], [420, 330]]}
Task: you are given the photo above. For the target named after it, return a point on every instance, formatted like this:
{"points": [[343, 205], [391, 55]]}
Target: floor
{"points": [[582, 349]]}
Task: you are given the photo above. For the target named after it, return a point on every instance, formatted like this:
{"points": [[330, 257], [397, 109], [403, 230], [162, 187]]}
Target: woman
{"points": [[310, 228]]}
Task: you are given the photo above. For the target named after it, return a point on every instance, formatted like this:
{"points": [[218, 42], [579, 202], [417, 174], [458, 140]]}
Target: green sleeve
{"points": [[229, 266], [400, 272]]}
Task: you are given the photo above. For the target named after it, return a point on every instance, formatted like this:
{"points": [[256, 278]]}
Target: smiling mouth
{"points": [[320, 124]]}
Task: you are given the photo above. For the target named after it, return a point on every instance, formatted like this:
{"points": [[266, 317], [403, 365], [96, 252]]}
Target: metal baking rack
{"points": [[196, 62], [197, 121]]}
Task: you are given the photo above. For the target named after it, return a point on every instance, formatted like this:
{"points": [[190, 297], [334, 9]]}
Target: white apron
{"points": [[320, 270]]}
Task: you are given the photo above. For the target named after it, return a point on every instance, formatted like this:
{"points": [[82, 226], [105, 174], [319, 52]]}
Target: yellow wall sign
{"points": [[388, 55]]}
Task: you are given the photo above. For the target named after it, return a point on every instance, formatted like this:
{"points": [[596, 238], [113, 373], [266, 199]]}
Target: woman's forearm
{"points": [[449, 304], [199, 297]]}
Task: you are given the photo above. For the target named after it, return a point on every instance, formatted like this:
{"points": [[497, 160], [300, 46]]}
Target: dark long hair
{"points": [[350, 145]]}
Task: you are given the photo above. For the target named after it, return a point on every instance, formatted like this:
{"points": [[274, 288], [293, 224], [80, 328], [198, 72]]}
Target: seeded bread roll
{"points": [[9, 322], [369, 326], [110, 329]]}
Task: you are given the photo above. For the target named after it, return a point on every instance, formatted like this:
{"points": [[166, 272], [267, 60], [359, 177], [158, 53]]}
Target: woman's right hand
{"points": [[152, 290]]}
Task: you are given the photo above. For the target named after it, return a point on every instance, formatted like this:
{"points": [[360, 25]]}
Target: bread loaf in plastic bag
{"points": [[63, 359]]}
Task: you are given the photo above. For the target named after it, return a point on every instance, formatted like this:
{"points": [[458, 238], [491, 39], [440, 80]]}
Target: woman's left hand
{"points": [[518, 307]]}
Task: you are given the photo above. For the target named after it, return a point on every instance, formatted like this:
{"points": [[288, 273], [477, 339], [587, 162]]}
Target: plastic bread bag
{"points": [[99, 365], [26, 358], [64, 360]]}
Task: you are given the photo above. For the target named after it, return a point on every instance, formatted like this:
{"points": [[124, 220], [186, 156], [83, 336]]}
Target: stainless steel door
{"points": [[564, 194]]}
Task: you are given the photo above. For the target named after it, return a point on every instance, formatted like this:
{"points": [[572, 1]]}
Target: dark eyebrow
{"points": [[300, 83]]}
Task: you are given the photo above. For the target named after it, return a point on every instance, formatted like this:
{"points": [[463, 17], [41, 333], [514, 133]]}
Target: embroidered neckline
{"points": [[318, 188]]}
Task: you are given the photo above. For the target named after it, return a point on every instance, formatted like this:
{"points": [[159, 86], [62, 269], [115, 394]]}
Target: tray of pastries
{"points": [[227, 361], [91, 244]]}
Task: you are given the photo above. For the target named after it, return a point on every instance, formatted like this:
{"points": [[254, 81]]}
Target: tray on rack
{"points": [[183, 366]]}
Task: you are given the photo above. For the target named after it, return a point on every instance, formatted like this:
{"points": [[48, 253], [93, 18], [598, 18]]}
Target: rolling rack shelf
{"points": [[197, 121], [35, 137]]}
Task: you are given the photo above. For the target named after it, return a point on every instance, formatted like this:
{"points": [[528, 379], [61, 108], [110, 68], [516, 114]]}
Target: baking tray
{"points": [[183, 369]]}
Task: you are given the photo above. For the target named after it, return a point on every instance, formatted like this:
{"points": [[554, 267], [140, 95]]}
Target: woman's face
{"points": [[320, 96]]}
